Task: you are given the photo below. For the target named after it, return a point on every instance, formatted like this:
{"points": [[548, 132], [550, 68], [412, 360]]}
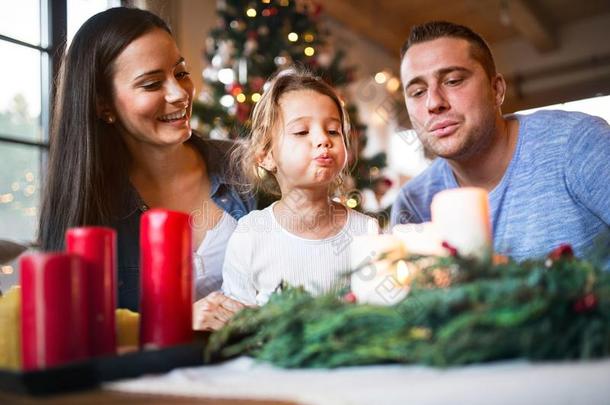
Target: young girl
{"points": [[298, 151]]}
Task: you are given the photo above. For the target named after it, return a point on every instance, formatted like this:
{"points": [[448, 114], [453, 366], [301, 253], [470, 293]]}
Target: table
{"points": [[94, 397], [509, 382]]}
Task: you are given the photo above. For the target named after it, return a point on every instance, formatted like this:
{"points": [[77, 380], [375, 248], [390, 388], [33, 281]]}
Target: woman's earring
{"points": [[261, 172], [108, 118]]}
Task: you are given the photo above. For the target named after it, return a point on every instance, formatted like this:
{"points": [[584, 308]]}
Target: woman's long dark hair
{"points": [[88, 160]]}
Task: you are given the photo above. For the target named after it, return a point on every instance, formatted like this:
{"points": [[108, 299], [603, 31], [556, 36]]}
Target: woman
{"points": [[121, 143]]}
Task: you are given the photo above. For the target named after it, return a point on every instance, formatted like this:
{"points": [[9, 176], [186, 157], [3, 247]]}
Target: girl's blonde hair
{"points": [[265, 118]]}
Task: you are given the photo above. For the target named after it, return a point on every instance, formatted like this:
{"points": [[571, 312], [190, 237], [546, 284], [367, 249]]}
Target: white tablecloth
{"points": [[516, 382]]}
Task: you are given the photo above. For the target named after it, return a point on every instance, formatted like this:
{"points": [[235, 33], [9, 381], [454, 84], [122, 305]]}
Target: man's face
{"points": [[452, 103]]}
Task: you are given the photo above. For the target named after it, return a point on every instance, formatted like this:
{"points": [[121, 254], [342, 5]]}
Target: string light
{"points": [[266, 1], [15, 186], [308, 37], [227, 101], [284, 3], [393, 84], [241, 97], [6, 198], [293, 37], [29, 176], [255, 97], [381, 77], [251, 12], [351, 203], [6, 270], [29, 190], [226, 76], [309, 51]]}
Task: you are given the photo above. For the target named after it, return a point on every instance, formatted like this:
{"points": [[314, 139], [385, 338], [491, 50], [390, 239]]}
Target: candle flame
{"points": [[403, 273]]}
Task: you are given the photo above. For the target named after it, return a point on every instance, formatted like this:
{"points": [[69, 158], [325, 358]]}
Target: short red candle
{"points": [[54, 315], [166, 279], [97, 246]]}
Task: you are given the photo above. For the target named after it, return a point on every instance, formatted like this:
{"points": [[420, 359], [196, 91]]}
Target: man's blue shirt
{"points": [[555, 190]]}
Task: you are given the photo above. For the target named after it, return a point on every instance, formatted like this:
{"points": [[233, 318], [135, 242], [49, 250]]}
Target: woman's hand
{"points": [[214, 311]]}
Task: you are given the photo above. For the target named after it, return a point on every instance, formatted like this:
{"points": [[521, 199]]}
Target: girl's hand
{"points": [[214, 311]]}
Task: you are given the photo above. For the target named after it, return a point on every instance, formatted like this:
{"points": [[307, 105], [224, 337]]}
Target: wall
{"points": [[579, 68]]}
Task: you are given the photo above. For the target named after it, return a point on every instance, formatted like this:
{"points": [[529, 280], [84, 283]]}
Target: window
{"points": [[599, 106], [30, 31]]}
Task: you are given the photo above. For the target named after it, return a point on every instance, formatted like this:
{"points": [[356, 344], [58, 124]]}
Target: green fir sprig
{"points": [[552, 309]]}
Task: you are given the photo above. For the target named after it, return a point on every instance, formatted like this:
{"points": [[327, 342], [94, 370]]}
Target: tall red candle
{"points": [[166, 279], [54, 315], [97, 246]]}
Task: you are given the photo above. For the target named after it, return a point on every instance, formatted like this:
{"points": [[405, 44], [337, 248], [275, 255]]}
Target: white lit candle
{"points": [[461, 216], [375, 280], [420, 239]]}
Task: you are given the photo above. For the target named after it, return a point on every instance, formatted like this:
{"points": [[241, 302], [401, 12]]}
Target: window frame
{"points": [[53, 27]]}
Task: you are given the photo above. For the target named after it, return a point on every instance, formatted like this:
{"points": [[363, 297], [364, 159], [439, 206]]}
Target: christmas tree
{"points": [[252, 41]]}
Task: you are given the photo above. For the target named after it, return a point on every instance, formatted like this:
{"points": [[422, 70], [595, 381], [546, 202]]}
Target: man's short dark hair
{"points": [[442, 29]]}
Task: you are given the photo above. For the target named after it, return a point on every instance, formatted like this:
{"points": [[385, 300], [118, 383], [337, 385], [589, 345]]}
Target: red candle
{"points": [[97, 246], [54, 315], [166, 279]]}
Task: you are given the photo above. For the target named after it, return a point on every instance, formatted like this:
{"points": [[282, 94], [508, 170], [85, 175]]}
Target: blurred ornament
{"points": [[205, 96], [226, 50], [237, 25], [235, 89], [263, 30], [283, 60], [257, 83], [219, 132], [210, 45], [250, 46], [272, 11], [586, 303], [210, 73], [216, 61], [242, 112], [325, 58], [242, 70]]}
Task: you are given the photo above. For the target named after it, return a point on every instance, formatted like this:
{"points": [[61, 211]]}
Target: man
{"points": [[547, 173]]}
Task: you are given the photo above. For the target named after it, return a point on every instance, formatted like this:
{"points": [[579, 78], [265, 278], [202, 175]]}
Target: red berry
{"points": [[452, 250], [350, 297], [563, 251]]}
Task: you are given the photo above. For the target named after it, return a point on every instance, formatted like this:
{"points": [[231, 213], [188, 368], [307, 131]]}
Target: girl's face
{"points": [[152, 92], [308, 149]]}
